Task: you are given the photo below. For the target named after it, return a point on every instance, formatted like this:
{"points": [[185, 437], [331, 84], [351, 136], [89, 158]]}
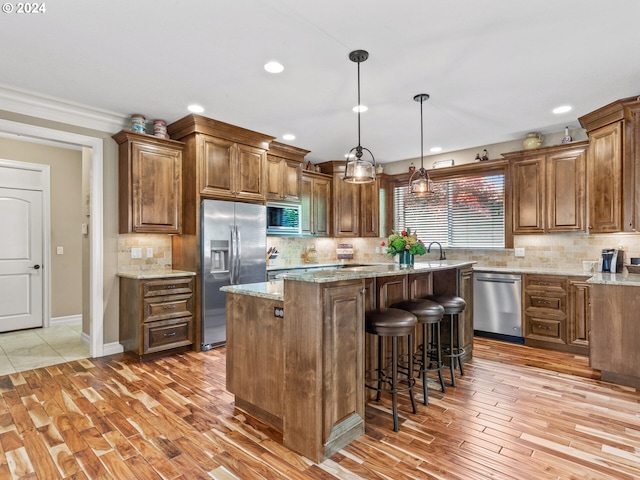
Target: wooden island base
{"points": [[296, 358]]}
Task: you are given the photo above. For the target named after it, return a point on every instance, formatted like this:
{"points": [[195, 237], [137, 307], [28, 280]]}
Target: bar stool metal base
{"points": [[380, 323]]}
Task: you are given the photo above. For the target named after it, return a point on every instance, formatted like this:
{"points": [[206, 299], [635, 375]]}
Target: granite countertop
{"points": [[574, 272], [368, 271], [274, 289], [271, 290], [624, 279], [149, 274]]}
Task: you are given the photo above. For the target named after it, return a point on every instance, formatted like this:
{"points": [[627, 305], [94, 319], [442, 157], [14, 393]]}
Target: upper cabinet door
{"points": [[248, 172], [604, 171], [566, 191], [216, 166], [528, 195], [149, 184]]}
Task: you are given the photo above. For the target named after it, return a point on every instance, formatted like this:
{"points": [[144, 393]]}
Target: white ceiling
{"points": [[494, 68]]}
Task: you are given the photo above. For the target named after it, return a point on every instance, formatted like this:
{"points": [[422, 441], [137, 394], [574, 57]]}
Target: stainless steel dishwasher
{"points": [[497, 305]]}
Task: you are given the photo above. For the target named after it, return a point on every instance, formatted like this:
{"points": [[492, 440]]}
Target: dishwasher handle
{"points": [[497, 280]]}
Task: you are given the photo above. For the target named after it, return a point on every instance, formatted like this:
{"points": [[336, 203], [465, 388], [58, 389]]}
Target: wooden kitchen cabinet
{"points": [[556, 312], [356, 207], [284, 172], [316, 204], [578, 317], [156, 315], [545, 310], [614, 346], [149, 184], [613, 166], [549, 185], [220, 161]]}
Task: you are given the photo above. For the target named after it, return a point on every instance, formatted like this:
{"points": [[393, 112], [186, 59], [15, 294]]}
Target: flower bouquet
{"points": [[404, 243]]}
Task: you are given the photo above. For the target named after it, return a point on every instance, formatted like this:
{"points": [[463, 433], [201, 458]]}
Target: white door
{"points": [[21, 272]]}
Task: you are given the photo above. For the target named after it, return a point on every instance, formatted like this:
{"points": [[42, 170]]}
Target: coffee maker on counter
{"points": [[611, 260]]}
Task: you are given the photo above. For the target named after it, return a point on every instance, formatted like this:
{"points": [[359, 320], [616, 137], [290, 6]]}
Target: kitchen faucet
{"points": [[443, 256]]}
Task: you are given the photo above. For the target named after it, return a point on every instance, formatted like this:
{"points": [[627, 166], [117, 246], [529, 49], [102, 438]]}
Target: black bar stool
{"points": [[453, 306], [429, 314], [394, 323]]}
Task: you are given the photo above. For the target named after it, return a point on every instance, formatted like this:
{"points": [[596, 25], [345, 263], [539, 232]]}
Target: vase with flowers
{"points": [[406, 245]]}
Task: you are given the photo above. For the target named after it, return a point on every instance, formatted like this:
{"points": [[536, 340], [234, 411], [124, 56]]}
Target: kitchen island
{"points": [[615, 330], [296, 349]]}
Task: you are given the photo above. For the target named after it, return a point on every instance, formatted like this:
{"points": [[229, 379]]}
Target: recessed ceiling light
{"points": [[360, 108], [195, 108], [562, 109], [273, 67], [288, 136], [436, 149]]}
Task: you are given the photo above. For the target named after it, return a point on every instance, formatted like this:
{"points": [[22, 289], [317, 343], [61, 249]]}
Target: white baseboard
{"points": [[107, 348], [112, 348], [66, 320]]}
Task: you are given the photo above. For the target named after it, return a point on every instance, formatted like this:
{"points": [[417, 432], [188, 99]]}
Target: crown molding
{"points": [[49, 108]]}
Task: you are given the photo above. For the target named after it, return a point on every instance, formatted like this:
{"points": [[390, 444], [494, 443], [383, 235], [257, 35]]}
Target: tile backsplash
{"points": [[160, 260], [562, 251]]}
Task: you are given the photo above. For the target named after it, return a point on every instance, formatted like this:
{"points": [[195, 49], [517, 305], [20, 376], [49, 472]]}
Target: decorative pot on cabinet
{"points": [[532, 140]]}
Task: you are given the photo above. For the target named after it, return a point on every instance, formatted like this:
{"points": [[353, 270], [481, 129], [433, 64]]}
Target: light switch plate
{"points": [[519, 252], [136, 252]]}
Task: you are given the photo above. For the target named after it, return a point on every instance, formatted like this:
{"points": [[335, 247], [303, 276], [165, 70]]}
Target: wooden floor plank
{"points": [[517, 413]]}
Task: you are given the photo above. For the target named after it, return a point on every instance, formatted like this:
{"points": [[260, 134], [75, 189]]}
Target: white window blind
{"points": [[463, 212]]}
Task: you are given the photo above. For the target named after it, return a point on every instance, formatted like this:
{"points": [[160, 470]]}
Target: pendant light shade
{"points": [[419, 183], [361, 165]]}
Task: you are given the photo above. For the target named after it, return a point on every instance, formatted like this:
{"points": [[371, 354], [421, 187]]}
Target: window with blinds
{"points": [[463, 212]]}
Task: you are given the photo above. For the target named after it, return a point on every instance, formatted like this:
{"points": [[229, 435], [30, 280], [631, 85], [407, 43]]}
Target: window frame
{"points": [[490, 167]]}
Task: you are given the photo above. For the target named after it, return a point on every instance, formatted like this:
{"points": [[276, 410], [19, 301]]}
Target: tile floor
{"points": [[40, 347]]}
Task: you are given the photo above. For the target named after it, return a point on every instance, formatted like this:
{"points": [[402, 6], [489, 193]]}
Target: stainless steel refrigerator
{"points": [[234, 245]]}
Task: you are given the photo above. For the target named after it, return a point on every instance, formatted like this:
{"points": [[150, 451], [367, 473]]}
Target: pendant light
{"points": [[358, 169], [419, 183]]}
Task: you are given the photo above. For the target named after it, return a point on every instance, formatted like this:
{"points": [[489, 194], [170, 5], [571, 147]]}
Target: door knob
{"points": [[35, 267]]}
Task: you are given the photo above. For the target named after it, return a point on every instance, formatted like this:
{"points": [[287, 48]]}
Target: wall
{"points": [[66, 217], [461, 157], [110, 218], [564, 252], [161, 259]]}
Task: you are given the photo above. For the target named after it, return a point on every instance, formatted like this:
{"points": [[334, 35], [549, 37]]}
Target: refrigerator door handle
{"points": [[232, 254], [239, 253]]}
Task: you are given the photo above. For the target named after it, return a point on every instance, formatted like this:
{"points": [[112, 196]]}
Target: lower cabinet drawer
{"points": [[167, 334], [545, 302], [544, 327], [168, 307]]}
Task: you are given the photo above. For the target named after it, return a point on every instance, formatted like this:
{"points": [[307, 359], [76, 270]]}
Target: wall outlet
{"points": [[136, 252], [149, 252], [519, 252], [59, 250]]}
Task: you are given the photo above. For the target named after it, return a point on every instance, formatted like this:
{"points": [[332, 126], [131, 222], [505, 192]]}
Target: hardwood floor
{"points": [[172, 418]]}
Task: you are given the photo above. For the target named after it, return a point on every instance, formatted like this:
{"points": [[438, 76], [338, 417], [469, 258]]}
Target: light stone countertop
{"points": [[151, 274], [272, 290], [624, 279], [275, 289]]}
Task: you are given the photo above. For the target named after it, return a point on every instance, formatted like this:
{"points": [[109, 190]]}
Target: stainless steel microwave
{"points": [[283, 219]]}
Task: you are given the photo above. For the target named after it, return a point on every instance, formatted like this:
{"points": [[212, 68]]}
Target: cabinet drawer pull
{"points": [[172, 334], [169, 307], [171, 286], [542, 327]]}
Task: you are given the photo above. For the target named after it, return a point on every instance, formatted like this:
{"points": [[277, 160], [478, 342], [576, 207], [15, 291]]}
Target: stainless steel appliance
{"points": [[283, 219], [234, 246], [611, 260], [497, 305]]}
